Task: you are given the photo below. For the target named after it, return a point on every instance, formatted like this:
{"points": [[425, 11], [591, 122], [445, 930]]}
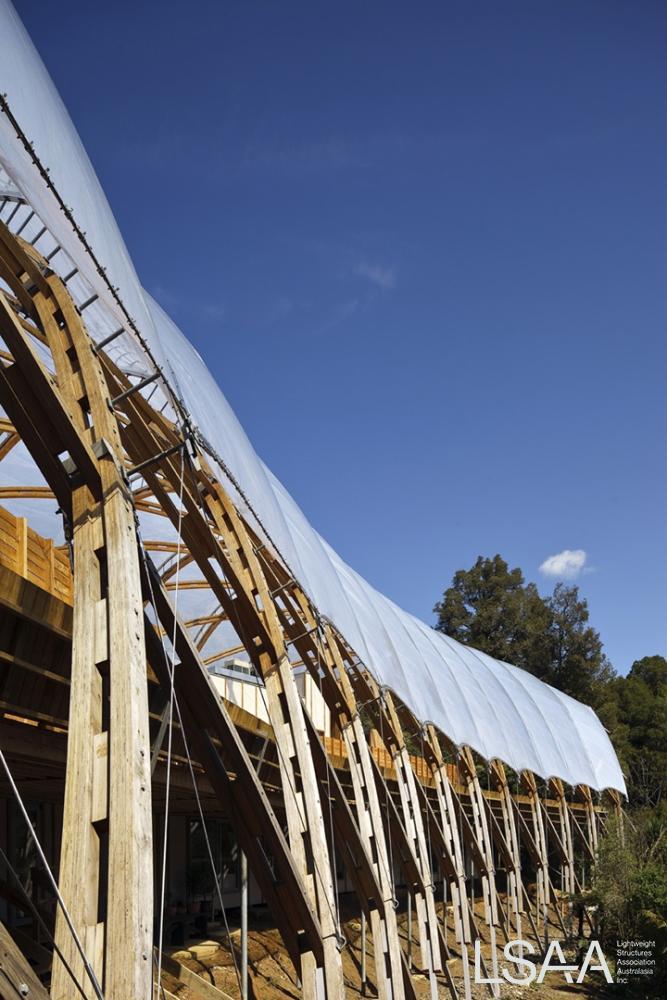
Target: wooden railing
{"points": [[33, 557]]}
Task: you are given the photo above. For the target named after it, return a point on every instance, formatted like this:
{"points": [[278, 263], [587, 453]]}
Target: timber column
{"points": [[106, 871], [108, 604]]}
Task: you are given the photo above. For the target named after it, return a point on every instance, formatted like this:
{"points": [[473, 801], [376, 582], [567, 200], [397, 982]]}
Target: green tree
{"points": [[630, 889], [492, 608], [652, 670], [641, 709], [576, 663]]}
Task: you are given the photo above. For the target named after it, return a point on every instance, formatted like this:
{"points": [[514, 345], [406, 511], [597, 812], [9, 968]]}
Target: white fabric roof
{"points": [[495, 708]]}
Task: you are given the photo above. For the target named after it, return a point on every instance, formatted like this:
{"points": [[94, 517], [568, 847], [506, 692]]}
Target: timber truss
{"points": [[475, 854]]}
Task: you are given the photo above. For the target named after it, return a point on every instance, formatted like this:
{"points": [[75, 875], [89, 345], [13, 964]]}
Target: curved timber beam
{"points": [[107, 793]]}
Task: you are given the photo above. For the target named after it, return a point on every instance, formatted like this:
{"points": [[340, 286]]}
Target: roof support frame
{"points": [[70, 413]]}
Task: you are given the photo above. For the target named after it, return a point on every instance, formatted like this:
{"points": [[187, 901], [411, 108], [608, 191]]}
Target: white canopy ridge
{"points": [[495, 708]]}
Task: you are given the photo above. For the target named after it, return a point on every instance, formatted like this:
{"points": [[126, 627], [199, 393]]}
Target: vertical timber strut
{"points": [[518, 898], [106, 862], [389, 728], [565, 837], [317, 645], [214, 533], [482, 838], [541, 856]]}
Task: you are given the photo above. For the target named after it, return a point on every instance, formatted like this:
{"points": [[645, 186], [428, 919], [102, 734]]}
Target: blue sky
{"points": [[422, 247]]}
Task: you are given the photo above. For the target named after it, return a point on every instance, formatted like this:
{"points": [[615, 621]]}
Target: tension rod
{"points": [[156, 458], [88, 302], [25, 222], [282, 586], [13, 213], [108, 340], [38, 237], [302, 635], [134, 388]]}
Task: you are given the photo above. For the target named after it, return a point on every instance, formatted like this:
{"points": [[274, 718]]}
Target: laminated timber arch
{"points": [[108, 780], [106, 453], [403, 805], [67, 412]]}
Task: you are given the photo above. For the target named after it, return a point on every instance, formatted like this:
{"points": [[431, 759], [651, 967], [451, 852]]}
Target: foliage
{"points": [[630, 890], [491, 607], [634, 710]]}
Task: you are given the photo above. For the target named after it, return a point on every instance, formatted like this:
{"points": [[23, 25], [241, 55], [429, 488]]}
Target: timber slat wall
{"points": [[33, 557]]}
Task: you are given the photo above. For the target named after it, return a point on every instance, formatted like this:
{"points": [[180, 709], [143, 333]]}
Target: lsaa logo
{"points": [[554, 961]]}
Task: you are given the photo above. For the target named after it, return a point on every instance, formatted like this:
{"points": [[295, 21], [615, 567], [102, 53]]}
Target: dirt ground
{"points": [[272, 977]]}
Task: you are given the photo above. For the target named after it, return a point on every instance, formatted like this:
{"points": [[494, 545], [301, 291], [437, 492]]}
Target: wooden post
{"points": [[567, 868], [363, 953], [384, 927], [537, 854], [519, 902], [449, 828], [87, 762], [22, 546], [481, 831], [235, 782], [106, 861], [539, 837], [591, 820], [430, 959], [617, 806]]}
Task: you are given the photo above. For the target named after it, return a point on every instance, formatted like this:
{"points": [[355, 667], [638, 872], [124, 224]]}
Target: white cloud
{"points": [[566, 565], [377, 274]]}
